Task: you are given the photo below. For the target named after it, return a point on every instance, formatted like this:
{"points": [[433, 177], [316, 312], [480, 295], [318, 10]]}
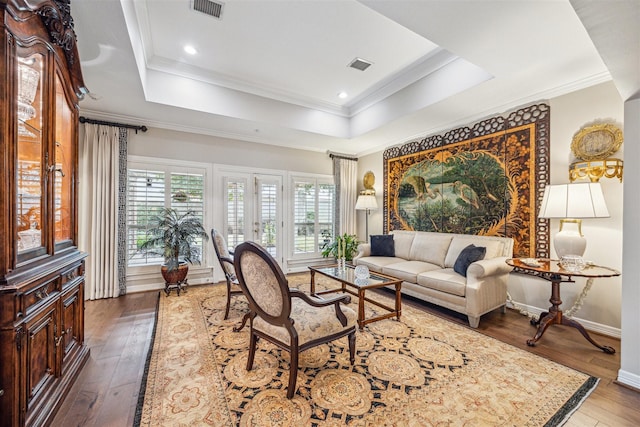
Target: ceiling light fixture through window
{"points": [[342, 95], [190, 50]]}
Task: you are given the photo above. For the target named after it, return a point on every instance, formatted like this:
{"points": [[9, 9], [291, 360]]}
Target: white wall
{"points": [[629, 372], [201, 148], [601, 310]]}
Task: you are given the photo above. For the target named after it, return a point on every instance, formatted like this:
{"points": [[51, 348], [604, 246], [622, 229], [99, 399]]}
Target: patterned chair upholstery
{"points": [[225, 257], [288, 318]]}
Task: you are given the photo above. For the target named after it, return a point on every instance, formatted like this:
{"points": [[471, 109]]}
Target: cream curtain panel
{"points": [[101, 214], [345, 172]]}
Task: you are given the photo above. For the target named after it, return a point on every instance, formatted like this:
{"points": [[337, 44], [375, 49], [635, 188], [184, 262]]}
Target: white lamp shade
{"points": [[366, 201], [581, 200], [575, 201]]}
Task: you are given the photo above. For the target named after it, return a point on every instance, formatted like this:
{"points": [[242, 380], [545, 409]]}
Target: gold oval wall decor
{"points": [[368, 180], [596, 142]]}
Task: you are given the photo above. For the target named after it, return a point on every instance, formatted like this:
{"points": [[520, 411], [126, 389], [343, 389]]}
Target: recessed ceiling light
{"points": [[190, 49], [342, 95]]}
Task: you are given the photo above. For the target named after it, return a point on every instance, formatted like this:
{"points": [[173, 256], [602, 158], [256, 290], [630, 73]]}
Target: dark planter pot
{"points": [[175, 276]]}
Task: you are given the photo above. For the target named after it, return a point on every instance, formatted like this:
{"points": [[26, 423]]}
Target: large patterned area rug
{"points": [[420, 371]]}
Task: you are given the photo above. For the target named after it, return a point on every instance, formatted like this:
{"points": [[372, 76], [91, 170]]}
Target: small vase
{"points": [[341, 263]]}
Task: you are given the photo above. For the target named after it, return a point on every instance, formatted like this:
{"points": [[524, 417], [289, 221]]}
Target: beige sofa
{"points": [[425, 260]]}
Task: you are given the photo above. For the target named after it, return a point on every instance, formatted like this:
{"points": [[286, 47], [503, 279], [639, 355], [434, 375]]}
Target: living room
{"points": [[608, 309]]}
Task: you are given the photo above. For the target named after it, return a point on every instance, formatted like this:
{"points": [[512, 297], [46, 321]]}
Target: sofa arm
{"points": [[488, 267], [364, 249], [486, 287]]}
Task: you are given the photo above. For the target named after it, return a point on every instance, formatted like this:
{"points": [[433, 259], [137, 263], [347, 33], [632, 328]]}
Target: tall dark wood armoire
{"points": [[42, 346]]}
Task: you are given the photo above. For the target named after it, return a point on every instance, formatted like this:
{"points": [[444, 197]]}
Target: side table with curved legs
{"points": [[551, 271]]}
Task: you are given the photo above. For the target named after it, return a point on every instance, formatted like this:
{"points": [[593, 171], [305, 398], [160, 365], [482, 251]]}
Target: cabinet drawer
{"points": [[38, 295], [71, 274]]}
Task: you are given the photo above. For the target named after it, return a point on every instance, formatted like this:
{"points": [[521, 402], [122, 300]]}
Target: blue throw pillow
{"points": [[382, 245], [471, 253]]}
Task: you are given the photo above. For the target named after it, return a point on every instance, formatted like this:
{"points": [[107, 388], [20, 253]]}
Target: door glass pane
{"points": [[234, 212], [267, 204], [29, 204], [62, 174]]}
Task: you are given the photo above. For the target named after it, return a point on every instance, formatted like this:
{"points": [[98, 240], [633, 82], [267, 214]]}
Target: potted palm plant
{"points": [[173, 236]]}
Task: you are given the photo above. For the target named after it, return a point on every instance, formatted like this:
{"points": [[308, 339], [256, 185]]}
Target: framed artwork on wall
{"points": [[485, 179]]}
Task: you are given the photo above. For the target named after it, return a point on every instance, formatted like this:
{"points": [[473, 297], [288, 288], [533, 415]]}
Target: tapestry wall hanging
{"points": [[484, 179]]}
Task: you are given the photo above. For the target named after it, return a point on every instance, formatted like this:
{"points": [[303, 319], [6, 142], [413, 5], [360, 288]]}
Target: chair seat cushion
{"points": [[310, 322]]}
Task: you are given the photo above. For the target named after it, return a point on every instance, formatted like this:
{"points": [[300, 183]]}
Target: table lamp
{"points": [[366, 202], [571, 203]]}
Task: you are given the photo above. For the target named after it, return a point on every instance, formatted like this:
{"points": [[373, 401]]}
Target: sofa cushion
{"points": [[495, 248], [408, 270], [375, 263], [382, 245], [471, 253], [430, 247], [402, 240], [444, 280]]}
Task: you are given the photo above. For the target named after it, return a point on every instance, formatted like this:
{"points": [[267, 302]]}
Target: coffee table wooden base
{"points": [[396, 311], [362, 298]]}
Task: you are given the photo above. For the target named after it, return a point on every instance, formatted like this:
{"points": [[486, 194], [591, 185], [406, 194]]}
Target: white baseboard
{"points": [[590, 326], [627, 378]]}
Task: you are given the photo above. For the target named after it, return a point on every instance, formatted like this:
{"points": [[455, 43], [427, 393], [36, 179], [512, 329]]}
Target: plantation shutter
{"points": [[145, 198], [151, 188], [234, 221], [326, 210]]}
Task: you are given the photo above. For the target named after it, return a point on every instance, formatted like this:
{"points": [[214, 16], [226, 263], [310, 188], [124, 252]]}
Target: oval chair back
{"points": [[225, 258], [263, 283]]}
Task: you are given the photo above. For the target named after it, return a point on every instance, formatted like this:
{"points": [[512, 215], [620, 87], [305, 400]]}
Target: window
{"points": [[313, 215], [152, 187]]}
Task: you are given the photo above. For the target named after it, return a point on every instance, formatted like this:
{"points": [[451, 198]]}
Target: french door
{"points": [[253, 211]]}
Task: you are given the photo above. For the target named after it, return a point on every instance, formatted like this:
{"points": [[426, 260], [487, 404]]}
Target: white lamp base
{"points": [[570, 242]]}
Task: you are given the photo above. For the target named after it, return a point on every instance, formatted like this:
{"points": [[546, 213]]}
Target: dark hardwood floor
{"points": [[118, 331]]}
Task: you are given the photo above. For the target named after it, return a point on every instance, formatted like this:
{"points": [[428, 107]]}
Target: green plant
{"points": [[348, 242], [173, 235]]}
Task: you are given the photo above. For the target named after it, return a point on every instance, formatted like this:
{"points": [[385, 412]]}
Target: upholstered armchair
{"points": [[288, 318], [225, 257]]}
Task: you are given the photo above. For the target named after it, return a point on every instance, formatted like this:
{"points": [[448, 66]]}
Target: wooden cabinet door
{"points": [[41, 352], [72, 321]]}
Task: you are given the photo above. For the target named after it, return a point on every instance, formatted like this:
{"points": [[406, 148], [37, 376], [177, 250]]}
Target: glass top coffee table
{"points": [[355, 286]]}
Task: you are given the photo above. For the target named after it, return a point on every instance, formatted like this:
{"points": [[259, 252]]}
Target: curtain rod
{"points": [[120, 125], [341, 156]]}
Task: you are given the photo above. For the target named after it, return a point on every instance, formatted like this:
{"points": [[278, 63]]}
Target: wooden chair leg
{"points": [[246, 317], [226, 310], [293, 372], [252, 350], [352, 347]]}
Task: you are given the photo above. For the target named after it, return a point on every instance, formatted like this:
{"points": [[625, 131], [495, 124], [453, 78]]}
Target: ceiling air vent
{"points": [[360, 64], [211, 8]]}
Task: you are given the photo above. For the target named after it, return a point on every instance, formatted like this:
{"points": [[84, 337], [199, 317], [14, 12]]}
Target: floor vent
{"points": [[211, 8], [360, 64]]}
